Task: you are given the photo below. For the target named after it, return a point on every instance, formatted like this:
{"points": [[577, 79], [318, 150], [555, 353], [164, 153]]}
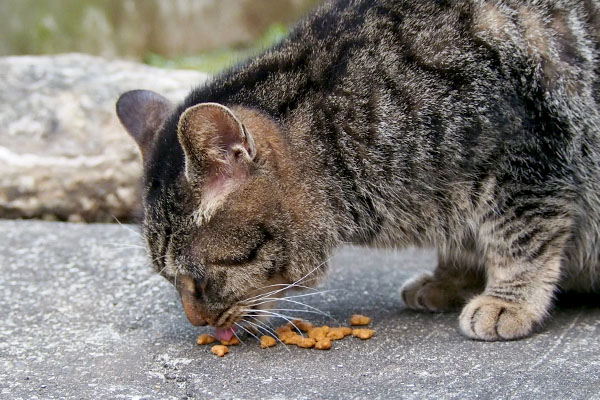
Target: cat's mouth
{"points": [[238, 318], [224, 333], [197, 315], [250, 314]]}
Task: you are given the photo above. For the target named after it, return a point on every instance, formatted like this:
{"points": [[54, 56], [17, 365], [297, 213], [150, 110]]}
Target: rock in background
{"points": [[63, 153]]}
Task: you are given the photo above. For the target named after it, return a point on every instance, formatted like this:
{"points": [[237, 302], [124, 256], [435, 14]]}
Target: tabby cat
{"points": [[468, 126]]}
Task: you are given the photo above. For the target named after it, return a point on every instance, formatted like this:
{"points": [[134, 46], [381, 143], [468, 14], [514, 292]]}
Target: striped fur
{"points": [[468, 126]]}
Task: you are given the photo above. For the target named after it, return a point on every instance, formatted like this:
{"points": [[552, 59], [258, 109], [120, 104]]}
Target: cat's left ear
{"points": [[142, 113]]}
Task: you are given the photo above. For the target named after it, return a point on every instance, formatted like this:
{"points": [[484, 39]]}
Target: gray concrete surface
{"points": [[83, 316]]}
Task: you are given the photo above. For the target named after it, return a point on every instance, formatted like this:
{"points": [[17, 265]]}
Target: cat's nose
{"points": [[193, 311], [192, 307]]}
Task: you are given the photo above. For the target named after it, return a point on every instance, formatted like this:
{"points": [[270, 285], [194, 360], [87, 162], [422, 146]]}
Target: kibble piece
{"points": [[286, 334], [231, 342], [306, 343], [318, 333], [282, 329], [219, 350], [304, 326], [363, 333], [267, 341], [338, 333], [358, 319], [205, 339], [292, 339], [323, 344], [346, 330]]}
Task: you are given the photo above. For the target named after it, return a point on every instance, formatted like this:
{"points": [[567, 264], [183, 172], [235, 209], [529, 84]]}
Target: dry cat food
{"points": [[304, 326], [339, 332], [323, 344], [306, 343], [290, 338], [219, 350], [286, 334], [231, 342], [358, 319], [363, 333], [267, 341], [318, 333], [205, 339], [318, 337], [282, 329]]}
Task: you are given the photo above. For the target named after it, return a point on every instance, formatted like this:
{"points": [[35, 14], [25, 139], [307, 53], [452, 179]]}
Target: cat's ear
{"points": [[219, 152], [142, 113], [215, 142]]}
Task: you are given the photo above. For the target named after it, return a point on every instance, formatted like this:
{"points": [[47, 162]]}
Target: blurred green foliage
{"points": [[40, 35], [202, 34], [216, 60]]}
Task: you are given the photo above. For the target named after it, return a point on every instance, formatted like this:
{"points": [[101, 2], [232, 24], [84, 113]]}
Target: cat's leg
{"points": [[458, 277], [523, 266]]}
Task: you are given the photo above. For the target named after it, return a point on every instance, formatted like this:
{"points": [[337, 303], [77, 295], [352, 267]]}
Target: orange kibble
{"points": [[231, 342], [318, 333], [205, 339], [267, 341], [306, 343], [282, 329], [338, 333], [292, 339], [304, 326], [346, 330], [323, 344], [358, 319], [286, 334], [219, 350], [363, 333]]}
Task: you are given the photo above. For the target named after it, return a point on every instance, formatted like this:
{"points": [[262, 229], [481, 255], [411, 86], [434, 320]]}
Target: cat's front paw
{"points": [[490, 318], [424, 292]]}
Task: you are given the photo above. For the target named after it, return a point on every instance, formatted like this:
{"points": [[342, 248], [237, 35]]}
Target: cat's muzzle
{"points": [[194, 311]]}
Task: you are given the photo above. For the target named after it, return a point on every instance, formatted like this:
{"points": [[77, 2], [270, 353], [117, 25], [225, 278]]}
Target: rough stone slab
{"points": [[63, 153], [83, 316]]}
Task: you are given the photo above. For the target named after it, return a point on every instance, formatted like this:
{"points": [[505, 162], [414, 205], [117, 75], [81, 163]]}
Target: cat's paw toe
{"points": [[411, 288], [423, 292], [490, 318]]}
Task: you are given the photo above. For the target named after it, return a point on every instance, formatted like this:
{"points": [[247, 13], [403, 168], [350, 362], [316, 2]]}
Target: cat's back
{"points": [[419, 102], [475, 83], [554, 36]]}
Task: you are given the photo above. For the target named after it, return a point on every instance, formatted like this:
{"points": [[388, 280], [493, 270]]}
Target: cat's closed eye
{"points": [[241, 259], [243, 250]]}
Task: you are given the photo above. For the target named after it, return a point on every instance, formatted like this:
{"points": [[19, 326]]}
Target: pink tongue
{"points": [[223, 334]]}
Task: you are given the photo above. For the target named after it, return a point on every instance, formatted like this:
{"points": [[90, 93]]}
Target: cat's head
{"points": [[228, 217]]}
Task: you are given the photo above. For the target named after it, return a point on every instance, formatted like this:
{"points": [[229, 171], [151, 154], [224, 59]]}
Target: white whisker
{"points": [[296, 283], [275, 335], [127, 228], [288, 318], [296, 302], [238, 338], [296, 296], [286, 309], [287, 285], [247, 331], [161, 271], [270, 330], [126, 245]]}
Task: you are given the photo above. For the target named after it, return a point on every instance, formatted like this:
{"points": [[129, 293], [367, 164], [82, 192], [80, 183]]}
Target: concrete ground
{"points": [[84, 316]]}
